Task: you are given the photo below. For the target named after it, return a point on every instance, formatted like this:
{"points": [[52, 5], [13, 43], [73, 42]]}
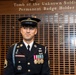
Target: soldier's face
{"points": [[28, 33]]}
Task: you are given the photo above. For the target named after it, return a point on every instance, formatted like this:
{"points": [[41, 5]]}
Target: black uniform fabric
{"points": [[24, 61]]}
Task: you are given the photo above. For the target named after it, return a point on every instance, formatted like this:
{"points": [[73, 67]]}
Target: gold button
{"points": [[28, 63], [28, 70], [19, 61]]}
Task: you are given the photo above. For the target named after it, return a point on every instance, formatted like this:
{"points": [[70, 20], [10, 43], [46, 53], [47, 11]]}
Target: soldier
{"points": [[27, 57]]}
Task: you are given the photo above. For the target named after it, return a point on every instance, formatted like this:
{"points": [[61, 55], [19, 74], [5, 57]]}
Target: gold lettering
{"points": [[66, 7], [36, 4], [29, 9], [50, 8], [60, 3], [28, 4], [21, 4], [50, 3], [69, 2]]}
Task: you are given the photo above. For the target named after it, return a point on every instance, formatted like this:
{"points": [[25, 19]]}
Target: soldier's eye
{"points": [[31, 28]]}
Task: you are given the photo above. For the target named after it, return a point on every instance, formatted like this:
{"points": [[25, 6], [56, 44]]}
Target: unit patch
{"points": [[5, 63]]}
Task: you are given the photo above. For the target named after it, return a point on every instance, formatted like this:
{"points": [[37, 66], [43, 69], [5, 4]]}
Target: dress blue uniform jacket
{"points": [[22, 62]]}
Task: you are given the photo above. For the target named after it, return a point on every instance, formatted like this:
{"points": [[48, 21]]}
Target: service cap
{"points": [[29, 21]]}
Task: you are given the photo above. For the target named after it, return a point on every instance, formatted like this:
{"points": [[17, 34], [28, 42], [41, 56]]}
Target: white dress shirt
{"points": [[31, 44]]}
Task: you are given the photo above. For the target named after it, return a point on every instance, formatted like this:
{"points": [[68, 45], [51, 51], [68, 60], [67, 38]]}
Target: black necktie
{"points": [[28, 47]]}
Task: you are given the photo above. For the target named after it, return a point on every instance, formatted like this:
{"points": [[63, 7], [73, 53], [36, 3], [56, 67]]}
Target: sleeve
{"points": [[8, 65], [45, 66]]}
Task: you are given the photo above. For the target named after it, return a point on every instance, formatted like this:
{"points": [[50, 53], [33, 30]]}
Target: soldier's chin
{"points": [[28, 39]]}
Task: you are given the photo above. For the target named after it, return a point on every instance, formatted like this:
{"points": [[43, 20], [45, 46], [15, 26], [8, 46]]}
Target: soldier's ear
{"points": [[20, 29], [36, 31]]}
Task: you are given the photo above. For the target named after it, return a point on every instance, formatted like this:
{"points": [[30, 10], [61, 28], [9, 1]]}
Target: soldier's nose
{"points": [[28, 30]]}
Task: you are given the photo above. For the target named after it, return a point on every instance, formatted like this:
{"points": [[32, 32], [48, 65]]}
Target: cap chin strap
{"points": [[29, 21]]}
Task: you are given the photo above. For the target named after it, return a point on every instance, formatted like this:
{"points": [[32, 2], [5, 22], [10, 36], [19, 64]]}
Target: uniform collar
{"points": [[31, 44]]}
